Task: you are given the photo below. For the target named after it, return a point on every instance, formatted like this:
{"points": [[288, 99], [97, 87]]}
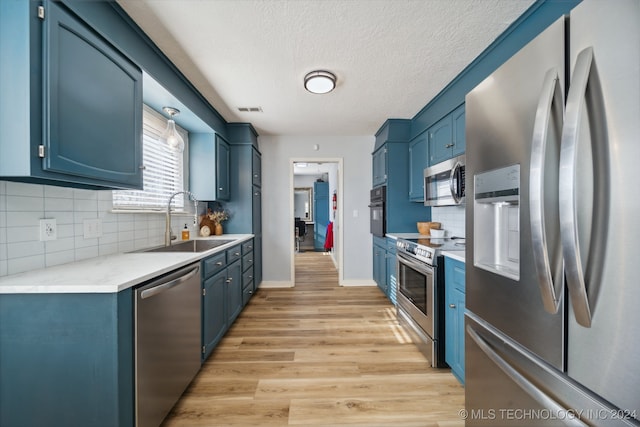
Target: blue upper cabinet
{"points": [[459, 139], [391, 165], [418, 160], [379, 167], [208, 166], [256, 168], [440, 136], [447, 137], [222, 169], [71, 102]]}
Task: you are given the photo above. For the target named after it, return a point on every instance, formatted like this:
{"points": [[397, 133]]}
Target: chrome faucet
{"points": [[167, 231]]}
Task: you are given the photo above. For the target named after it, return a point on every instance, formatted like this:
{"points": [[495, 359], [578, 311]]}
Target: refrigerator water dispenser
{"points": [[496, 221]]}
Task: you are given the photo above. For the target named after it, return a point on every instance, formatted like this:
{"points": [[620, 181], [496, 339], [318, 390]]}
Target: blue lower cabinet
{"points": [[214, 318], [454, 316], [234, 290], [222, 295], [67, 360], [380, 263]]}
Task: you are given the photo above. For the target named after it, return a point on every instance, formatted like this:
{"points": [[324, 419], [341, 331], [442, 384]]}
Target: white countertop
{"points": [[108, 274], [457, 255]]}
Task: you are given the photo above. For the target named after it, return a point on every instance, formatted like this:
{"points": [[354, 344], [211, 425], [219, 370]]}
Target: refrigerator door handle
{"points": [[538, 395], [585, 90], [544, 167]]}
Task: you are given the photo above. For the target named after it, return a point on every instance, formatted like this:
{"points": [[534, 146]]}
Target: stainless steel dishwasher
{"points": [[167, 342]]}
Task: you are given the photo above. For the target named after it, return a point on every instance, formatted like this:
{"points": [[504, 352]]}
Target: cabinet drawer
{"points": [[247, 293], [233, 254], [247, 247], [247, 277], [247, 261], [213, 264]]}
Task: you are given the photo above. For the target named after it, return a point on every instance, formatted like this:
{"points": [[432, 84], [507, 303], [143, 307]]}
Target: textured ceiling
{"points": [[390, 56]]}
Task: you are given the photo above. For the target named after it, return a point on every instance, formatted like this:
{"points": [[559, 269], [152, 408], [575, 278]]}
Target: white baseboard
{"points": [[274, 284]]}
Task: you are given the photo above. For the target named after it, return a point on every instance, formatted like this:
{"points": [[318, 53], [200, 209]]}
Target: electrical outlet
{"points": [[48, 229], [92, 228]]}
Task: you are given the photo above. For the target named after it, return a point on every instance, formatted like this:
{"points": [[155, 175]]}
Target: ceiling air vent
{"points": [[250, 109]]}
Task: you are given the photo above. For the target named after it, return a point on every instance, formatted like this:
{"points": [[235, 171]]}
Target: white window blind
{"points": [[163, 169]]}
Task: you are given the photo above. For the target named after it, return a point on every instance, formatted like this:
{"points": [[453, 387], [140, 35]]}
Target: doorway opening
{"points": [[315, 218]]}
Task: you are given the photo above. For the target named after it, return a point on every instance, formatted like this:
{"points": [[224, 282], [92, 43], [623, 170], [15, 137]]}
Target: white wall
{"points": [[277, 153]]}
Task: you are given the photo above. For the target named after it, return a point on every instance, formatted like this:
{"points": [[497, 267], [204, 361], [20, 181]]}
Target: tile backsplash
{"points": [[23, 205], [452, 219]]}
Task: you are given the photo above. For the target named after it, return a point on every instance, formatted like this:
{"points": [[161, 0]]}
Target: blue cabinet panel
{"points": [[214, 317], [256, 168], [418, 160], [72, 103], [222, 169], [379, 168], [93, 104], [380, 263], [440, 137], [245, 199], [454, 316], [234, 291], [447, 137], [459, 132], [320, 213], [66, 360], [208, 166]]}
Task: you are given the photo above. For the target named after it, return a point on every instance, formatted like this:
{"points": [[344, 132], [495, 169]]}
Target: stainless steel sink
{"points": [[189, 246]]}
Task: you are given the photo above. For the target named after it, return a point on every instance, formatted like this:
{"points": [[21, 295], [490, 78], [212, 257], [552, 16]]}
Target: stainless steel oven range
{"points": [[420, 269]]}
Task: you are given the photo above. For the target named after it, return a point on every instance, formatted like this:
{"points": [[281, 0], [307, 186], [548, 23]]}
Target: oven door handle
{"points": [[415, 265]]}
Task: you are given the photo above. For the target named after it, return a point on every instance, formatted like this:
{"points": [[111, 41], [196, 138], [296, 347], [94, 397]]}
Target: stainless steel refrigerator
{"points": [[552, 329]]}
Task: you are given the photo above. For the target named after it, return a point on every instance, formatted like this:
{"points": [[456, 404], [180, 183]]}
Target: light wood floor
{"points": [[319, 355]]}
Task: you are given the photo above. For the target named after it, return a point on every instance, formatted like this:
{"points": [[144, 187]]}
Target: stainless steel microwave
{"points": [[444, 183]]}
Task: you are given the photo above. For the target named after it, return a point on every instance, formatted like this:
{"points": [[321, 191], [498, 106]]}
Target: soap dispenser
{"points": [[185, 233]]}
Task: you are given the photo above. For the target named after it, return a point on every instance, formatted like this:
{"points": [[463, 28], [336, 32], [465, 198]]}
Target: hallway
{"points": [[321, 355]]}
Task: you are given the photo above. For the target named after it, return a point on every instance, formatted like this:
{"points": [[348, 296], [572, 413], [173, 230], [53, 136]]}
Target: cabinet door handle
{"points": [[220, 188], [230, 279], [219, 263], [452, 306], [448, 145]]}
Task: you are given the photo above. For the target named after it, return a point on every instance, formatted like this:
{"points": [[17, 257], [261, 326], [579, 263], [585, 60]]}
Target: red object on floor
{"points": [[328, 240]]}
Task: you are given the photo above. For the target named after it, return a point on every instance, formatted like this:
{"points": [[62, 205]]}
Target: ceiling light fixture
{"points": [[170, 134], [320, 81]]}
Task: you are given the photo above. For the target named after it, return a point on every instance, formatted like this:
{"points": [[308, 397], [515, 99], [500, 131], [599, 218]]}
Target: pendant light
{"points": [[170, 134]]}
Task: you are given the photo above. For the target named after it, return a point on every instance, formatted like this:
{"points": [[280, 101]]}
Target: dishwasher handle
{"points": [[161, 287]]}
